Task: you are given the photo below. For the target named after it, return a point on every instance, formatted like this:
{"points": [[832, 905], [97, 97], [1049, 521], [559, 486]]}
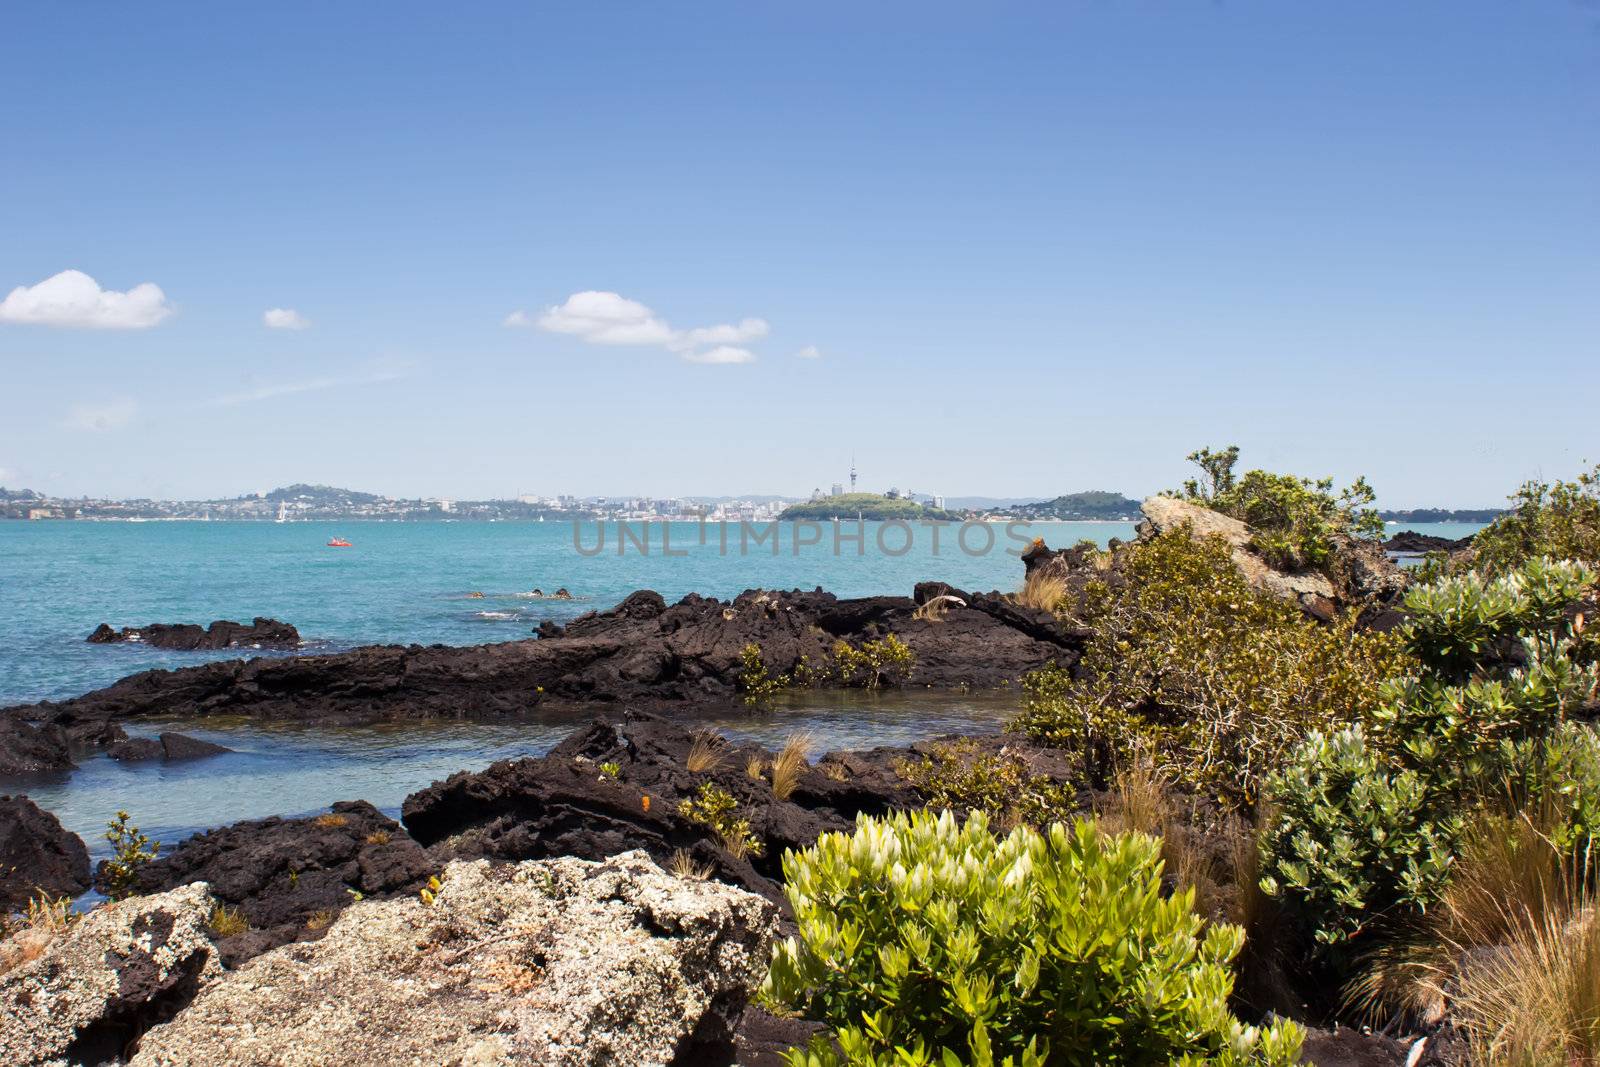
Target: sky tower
{"points": [[852, 472]]}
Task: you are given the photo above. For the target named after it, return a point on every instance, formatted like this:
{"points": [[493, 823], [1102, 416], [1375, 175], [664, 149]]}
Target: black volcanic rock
{"points": [[187, 637], [37, 855], [283, 873], [1409, 541], [643, 653], [563, 804], [135, 750], [166, 746], [27, 749], [181, 746]]}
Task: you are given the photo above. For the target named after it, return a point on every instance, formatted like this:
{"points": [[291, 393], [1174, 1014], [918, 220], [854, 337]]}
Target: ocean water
{"points": [[409, 582]]}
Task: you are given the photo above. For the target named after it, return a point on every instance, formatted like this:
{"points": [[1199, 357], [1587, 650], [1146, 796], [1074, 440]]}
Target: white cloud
{"points": [[101, 418], [721, 354], [746, 330], [73, 299], [604, 318], [310, 385], [809, 352], [284, 319], [6, 474]]}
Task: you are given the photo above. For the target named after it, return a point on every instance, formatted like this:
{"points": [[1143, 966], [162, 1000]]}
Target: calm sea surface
{"points": [[409, 582]]}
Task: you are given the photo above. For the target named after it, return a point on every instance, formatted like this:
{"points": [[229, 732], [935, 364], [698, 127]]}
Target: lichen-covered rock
{"points": [[1311, 590], [556, 962], [97, 986], [38, 856]]}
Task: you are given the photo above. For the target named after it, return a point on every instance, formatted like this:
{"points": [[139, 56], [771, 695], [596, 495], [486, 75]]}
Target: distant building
{"points": [[938, 501], [838, 490]]}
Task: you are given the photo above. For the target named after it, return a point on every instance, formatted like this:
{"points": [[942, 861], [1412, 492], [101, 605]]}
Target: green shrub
{"points": [[130, 850], [1367, 820], [716, 809], [960, 775], [926, 942], [1215, 681], [1354, 843], [887, 661], [1294, 521], [1560, 520]]}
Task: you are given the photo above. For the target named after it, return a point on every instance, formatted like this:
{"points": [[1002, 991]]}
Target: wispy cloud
{"points": [[605, 318], [721, 354], [809, 352], [72, 299], [284, 319], [101, 418], [274, 390]]}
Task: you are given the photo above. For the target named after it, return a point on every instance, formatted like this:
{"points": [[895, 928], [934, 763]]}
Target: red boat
{"points": [[338, 542]]}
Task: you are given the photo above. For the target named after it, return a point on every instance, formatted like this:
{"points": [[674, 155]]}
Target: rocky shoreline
{"points": [[581, 873]]}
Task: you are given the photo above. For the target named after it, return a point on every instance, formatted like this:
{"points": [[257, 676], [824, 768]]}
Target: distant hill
{"points": [[867, 506], [985, 503], [321, 496], [1094, 504], [1443, 515], [18, 494]]}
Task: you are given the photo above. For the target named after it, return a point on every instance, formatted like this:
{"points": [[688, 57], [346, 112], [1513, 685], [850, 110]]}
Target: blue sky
{"points": [[1035, 248]]}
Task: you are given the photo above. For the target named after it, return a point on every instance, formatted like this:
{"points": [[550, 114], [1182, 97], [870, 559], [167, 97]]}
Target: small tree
{"points": [[130, 850]]}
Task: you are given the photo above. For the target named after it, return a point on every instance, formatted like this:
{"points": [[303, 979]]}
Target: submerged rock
{"points": [[89, 992], [38, 856], [187, 637], [560, 962], [165, 746], [288, 877]]}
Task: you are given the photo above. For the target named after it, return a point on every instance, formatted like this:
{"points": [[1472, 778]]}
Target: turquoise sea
{"points": [[409, 582]]}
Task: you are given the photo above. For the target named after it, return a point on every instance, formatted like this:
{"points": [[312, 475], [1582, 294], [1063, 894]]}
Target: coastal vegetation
{"points": [[1555, 520], [1190, 667], [1294, 521], [130, 850], [924, 941]]}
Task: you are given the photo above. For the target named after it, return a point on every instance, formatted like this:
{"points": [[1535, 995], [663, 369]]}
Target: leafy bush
{"points": [[960, 775], [1354, 844], [1213, 680], [716, 809], [130, 850], [1294, 521], [886, 661], [1560, 520], [1368, 820], [925, 942]]}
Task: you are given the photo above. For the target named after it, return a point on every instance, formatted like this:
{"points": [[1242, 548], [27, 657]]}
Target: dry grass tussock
{"points": [[227, 922], [791, 762], [707, 752], [934, 609], [28, 934], [330, 820], [1219, 861], [683, 865], [1512, 952], [1041, 592]]}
